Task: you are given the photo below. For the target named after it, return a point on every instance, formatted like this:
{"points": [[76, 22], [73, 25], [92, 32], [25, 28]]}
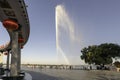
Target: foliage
{"points": [[100, 54], [117, 64]]}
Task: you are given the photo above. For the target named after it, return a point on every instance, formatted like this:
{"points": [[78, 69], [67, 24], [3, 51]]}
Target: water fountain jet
{"points": [[65, 34]]}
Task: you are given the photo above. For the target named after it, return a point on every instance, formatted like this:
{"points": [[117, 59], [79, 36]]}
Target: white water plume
{"points": [[63, 55], [62, 20], [65, 33]]}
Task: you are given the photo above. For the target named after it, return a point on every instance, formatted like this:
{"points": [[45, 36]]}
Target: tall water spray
{"points": [[65, 35]]}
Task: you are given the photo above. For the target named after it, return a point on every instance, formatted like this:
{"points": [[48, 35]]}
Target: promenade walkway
{"points": [[54, 74], [42, 76]]}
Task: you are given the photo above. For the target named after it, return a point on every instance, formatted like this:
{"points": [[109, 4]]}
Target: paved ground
{"points": [[74, 75], [41, 76], [53, 74]]}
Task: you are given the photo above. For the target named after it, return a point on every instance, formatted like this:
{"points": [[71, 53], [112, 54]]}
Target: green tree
{"points": [[100, 54], [88, 54], [117, 64]]}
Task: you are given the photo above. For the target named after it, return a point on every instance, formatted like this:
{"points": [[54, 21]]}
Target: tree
{"points": [[100, 54], [117, 64], [89, 54]]}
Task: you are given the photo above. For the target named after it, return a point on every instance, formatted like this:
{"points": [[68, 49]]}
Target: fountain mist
{"points": [[64, 34]]}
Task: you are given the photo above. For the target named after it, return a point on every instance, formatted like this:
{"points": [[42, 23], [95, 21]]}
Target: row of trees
{"points": [[100, 54]]}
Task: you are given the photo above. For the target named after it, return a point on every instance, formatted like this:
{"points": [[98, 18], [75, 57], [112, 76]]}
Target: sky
{"points": [[93, 21]]}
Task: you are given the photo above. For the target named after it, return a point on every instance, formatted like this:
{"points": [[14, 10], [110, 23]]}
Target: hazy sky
{"points": [[95, 22]]}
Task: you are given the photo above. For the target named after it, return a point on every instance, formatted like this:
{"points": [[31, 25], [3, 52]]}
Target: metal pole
{"points": [[14, 55], [8, 57], [7, 65]]}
